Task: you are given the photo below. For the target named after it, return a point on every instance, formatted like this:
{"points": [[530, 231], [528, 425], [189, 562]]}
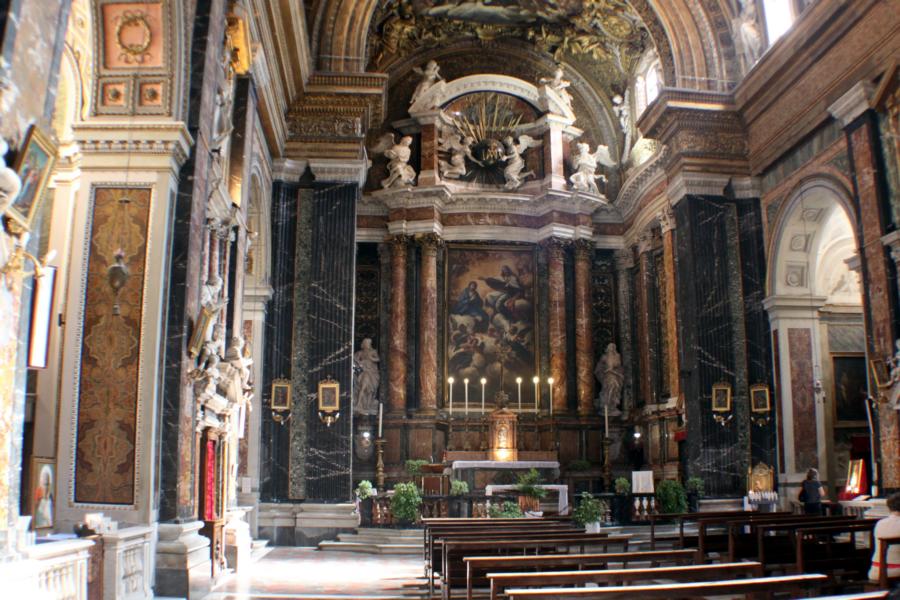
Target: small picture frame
{"points": [[759, 398], [721, 397], [42, 492], [33, 164], [281, 394], [201, 331], [880, 372], [329, 396]]}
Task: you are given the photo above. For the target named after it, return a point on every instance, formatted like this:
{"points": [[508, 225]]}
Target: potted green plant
{"points": [[589, 513], [621, 502], [405, 503], [459, 506], [694, 487], [671, 497], [530, 491], [365, 499], [507, 510]]}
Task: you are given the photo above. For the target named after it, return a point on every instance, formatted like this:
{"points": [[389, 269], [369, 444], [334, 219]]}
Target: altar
{"points": [[480, 474]]}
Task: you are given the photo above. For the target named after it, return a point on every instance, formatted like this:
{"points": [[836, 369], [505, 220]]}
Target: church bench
{"points": [[500, 582], [440, 527], [453, 568], [477, 567], [797, 584], [817, 549], [759, 540], [681, 519]]}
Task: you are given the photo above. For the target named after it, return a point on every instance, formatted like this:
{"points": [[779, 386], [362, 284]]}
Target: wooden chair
{"points": [[884, 581]]}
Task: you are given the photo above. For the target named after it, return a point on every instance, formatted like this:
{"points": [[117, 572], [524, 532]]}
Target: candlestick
{"points": [[379, 463], [451, 381], [550, 385], [606, 420], [536, 381], [519, 387], [483, 381], [380, 406], [466, 383]]}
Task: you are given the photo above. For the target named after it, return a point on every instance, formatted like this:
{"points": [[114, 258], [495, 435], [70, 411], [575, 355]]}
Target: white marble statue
{"points": [[209, 294], [611, 375], [622, 109], [365, 386], [748, 33], [558, 84], [430, 76], [515, 163], [584, 164], [400, 172], [10, 184], [894, 391], [460, 148]]}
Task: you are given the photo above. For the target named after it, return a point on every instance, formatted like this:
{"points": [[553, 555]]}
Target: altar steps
{"points": [[373, 540]]}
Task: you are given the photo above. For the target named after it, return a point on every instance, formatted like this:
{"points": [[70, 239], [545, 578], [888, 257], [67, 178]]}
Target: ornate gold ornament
{"points": [[128, 23]]}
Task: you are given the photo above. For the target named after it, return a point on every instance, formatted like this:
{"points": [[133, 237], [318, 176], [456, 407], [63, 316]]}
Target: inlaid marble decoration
{"points": [[10, 298], [490, 320], [803, 398], [110, 354]]}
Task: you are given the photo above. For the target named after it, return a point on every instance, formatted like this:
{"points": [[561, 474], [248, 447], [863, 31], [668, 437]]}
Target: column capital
{"points": [[584, 249], [397, 240], [666, 219], [555, 246], [853, 103], [430, 242], [624, 259], [645, 241]]}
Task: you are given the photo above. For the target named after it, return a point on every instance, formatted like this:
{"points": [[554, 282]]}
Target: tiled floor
{"points": [[306, 573]]}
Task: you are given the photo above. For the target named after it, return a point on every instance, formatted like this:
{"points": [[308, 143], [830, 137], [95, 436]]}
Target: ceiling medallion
{"points": [[133, 36]]}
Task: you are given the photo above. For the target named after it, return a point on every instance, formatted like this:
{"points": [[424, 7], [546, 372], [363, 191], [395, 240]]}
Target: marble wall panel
{"points": [[110, 361], [803, 398]]}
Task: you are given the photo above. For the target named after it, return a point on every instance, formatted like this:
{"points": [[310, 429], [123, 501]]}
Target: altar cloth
{"points": [[504, 464]]}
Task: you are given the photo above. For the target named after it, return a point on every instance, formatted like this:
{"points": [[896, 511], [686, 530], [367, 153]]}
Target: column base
{"points": [[238, 541], [183, 563]]}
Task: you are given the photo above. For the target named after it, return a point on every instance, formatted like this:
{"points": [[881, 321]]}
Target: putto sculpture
{"points": [[558, 84], [430, 77], [585, 163], [400, 172], [515, 162], [460, 148]]}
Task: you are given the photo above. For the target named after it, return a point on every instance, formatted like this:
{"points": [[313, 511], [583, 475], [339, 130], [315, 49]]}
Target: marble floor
{"points": [[307, 573]]}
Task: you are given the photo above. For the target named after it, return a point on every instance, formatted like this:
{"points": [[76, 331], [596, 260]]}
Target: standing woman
{"points": [[812, 493]]}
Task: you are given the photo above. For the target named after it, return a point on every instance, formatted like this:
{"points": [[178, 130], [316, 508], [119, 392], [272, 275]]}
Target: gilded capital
{"points": [[666, 218], [555, 247], [430, 242], [584, 249]]}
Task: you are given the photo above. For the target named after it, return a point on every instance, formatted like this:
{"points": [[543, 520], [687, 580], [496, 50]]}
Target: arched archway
{"points": [[818, 331]]}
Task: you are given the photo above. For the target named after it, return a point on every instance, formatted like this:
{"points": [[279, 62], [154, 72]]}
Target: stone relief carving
{"points": [[365, 385], [611, 375], [400, 172], [515, 163], [585, 164]]}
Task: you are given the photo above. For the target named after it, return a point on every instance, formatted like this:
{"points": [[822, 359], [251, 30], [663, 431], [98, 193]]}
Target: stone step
{"points": [[368, 548], [721, 504], [377, 541], [258, 549]]}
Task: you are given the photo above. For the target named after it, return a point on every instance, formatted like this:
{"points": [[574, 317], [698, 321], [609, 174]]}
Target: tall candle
{"points": [[466, 383], [451, 381], [605, 420], [519, 387], [483, 382], [537, 394], [550, 385], [380, 406]]}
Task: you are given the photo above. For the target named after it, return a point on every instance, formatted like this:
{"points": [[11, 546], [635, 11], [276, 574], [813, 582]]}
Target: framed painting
{"points": [[759, 398], [41, 492], [281, 394], [329, 396], [851, 390], [721, 397], [33, 165], [490, 317], [881, 373]]}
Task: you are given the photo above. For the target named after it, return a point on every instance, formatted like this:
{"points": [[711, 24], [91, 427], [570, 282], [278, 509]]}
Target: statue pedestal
{"points": [[502, 432]]}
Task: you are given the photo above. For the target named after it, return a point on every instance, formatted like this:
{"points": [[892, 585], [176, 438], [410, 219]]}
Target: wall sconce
{"points": [[329, 401], [16, 262], [117, 276], [281, 400]]}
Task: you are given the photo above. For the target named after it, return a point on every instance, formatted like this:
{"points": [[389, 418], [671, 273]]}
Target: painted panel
{"points": [[803, 398]]}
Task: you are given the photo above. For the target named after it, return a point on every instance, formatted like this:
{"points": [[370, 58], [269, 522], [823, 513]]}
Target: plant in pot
{"points": [[459, 506], [670, 497], [405, 503], [507, 510], [621, 502], [589, 513], [530, 491], [365, 499], [694, 488]]}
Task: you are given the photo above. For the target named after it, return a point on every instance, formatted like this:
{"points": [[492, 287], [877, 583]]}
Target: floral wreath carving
{"points": [[137, 52]]}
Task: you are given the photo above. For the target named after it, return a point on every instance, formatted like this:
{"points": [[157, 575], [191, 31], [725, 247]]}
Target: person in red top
{"points": [[888, 527]]}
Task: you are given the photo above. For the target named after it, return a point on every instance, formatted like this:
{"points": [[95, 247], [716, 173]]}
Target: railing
{"points": [[61, 569], [438, 507], [644, 505]]}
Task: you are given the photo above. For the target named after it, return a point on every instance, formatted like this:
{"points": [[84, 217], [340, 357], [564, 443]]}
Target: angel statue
{"points": [[559, 85], [460, 148], [585, 163], [515, 163], [400, 173], [430, 76]]}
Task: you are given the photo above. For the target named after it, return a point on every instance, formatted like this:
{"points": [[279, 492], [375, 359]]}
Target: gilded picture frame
{"points": [[33, 164], [201, 331], [881, 374], [329, 394], [760, 401], [42, 492], [850, 389], [281, 394], [721, 397]]}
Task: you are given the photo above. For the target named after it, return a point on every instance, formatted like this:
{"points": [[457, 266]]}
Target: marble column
{"points": [[397, 354], [584, 340], [428, 149], [556, 286], [667, 224], [554, 152], [642, 307], [428, 368], [624, 263]]}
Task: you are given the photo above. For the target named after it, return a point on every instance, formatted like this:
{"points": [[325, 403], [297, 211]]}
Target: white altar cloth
{"points": [[509, 464], [562, 490]]}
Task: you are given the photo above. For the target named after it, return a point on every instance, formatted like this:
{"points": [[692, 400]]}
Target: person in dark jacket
{"points": [[812, 493]]}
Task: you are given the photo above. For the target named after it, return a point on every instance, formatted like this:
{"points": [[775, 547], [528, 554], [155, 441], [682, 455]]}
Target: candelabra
{"points": [[379, 463], [607, 467]]}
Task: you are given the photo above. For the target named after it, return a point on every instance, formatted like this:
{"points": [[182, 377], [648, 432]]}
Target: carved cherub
{"points": [[400, 173], [430, 76], [558, 84], [460, 148], [515, 164], [585, 164]]}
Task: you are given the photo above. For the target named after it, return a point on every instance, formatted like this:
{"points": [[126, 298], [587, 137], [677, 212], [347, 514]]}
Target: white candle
{"points": [[550, 385], [451, 381], [519, 386], [466, 382], [537, 394], [380, 406], [483, 382], [605, 421]]}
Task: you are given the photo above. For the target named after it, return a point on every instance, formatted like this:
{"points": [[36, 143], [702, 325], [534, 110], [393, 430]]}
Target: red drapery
{"points": [[209, 482]]}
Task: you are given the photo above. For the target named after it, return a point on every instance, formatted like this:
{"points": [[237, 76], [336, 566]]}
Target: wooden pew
{"points": [[799, 584], [453, 568], [477, 567], [816, 549], [500, 582], [757, 543], [682, 518], [884, 581]]}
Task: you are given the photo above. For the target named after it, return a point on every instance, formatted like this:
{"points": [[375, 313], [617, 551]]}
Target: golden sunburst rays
{"points": [[489, 116]]}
